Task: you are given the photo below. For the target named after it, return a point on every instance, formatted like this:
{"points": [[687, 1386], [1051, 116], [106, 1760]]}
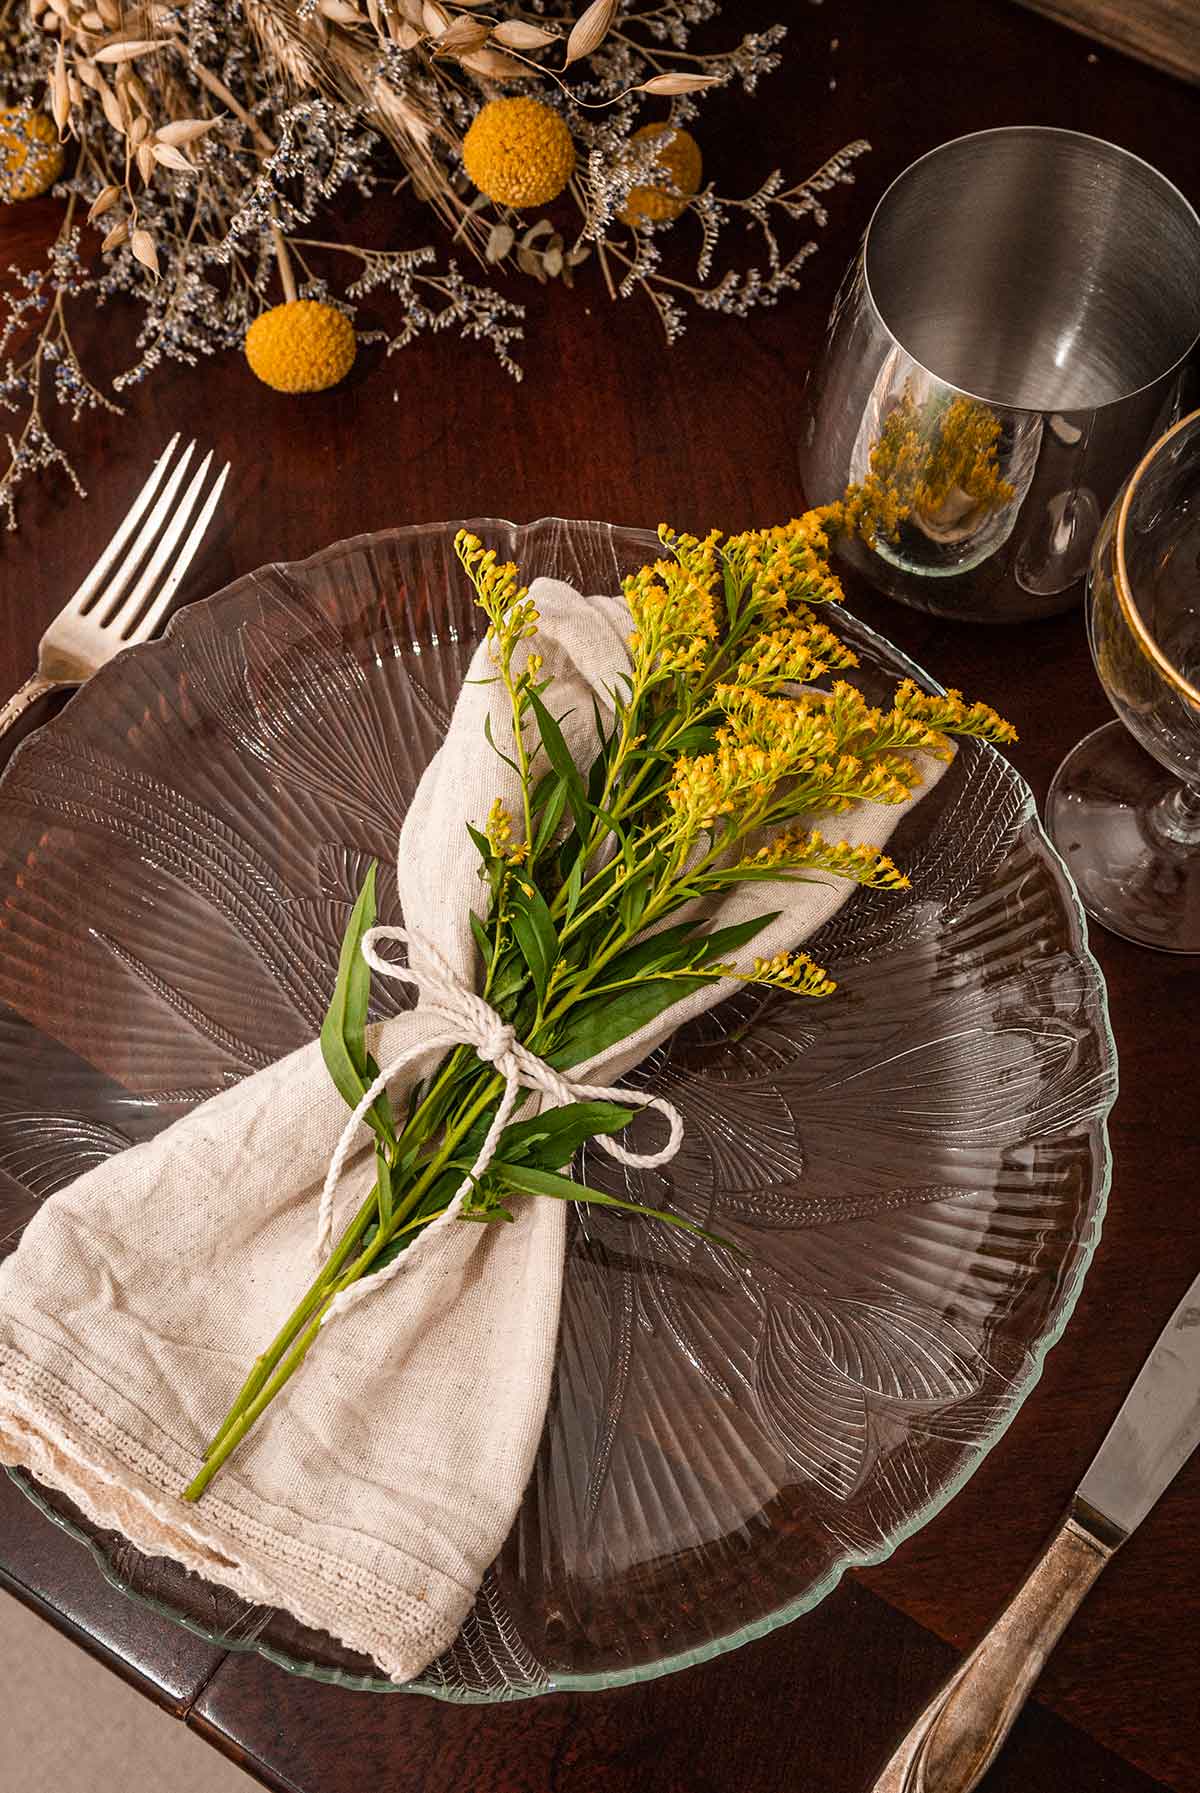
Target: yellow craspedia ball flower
{"points": [[519, 152], [302, 346], [680, 157], [31, 157]]}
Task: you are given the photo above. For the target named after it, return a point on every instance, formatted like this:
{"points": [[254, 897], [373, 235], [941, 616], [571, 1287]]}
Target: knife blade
{"points": [[958, 1736], [1157, 1428]]}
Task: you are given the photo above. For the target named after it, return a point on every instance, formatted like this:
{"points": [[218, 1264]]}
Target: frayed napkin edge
{"points": [[34, 1404]]}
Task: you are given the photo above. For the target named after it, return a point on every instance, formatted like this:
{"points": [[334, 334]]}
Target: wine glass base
{"points": [[1100, 814]]}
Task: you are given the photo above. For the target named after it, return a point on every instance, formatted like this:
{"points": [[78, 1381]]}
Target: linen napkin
{"points": [[381, 1483]]}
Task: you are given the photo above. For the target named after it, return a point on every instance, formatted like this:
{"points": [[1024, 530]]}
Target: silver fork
{"points": [[106, 615]]}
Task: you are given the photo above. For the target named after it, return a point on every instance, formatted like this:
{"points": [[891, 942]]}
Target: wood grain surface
{"points": [[608, 424], [1165, 32]]}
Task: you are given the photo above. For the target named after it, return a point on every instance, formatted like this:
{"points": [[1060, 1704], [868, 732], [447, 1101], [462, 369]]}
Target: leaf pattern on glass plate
{"points": [[823, 1365], [47, 1151]]}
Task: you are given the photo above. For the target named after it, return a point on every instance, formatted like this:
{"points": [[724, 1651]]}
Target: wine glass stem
{"points": [[1175, 818]]}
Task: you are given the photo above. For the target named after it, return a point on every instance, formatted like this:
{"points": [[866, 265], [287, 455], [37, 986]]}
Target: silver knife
{"points": [[957, 1737]]}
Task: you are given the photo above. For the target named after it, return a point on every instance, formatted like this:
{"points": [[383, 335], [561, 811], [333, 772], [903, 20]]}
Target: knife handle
{"points": [[958, 1736]]}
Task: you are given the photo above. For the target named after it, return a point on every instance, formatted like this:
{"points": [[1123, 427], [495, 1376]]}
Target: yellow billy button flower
{"points": [[31, 157], [302, 346], [679, 158], [519, 152]]}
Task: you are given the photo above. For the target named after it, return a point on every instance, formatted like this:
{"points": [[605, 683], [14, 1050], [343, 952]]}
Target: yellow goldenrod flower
{"points": [[675, 614], [951, 712], [680, 160], [804, 849], [793, 656], [302, 346], [503, 600], [519, 152], [499, 826], [794, 972], [31, 157]]}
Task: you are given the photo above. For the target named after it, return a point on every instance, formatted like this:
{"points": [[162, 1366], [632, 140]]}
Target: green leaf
{"points": [[574, 885], [724, 941], [542, 790], [549, 1140], [485, 1215], [634, 894], [654, 952], [681, 945], [559, 755], [529, 1181], [552, 815], [552, 1139], [535, 933], [507, 758], [510, 979], [343, 1045], [597, 776], [483, 940], [383, 1187], [604, 734], [595, 1025], [380, 1112], [618, 833], [697, 739]]}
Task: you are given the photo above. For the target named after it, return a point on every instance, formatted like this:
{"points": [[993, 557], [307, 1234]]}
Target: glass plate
{"points": [[918, 1165]]}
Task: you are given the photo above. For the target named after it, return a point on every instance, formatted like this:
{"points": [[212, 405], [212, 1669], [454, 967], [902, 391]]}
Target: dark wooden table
{"points": [[608, 424]]}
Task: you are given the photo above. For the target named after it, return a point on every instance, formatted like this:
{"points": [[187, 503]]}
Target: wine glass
{"points": [[1124, 806]]}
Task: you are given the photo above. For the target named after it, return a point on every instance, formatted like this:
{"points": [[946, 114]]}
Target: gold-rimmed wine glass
{"points": [[1124, 806]]}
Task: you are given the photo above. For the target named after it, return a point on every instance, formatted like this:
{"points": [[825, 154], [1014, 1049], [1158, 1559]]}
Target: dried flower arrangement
{"points": [[203, 139]]}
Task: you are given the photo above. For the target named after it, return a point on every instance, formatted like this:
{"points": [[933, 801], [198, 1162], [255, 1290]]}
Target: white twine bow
{"points": [[470, 1020]]}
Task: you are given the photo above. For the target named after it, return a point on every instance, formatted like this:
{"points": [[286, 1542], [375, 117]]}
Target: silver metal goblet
{"points": [[1014, 331]]}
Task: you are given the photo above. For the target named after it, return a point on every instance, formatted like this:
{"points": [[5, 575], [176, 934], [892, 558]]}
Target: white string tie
{"points": [[468, 1019]]}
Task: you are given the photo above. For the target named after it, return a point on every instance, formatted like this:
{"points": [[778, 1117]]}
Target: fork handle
{"points": [[23, 700], [958, 1736]]}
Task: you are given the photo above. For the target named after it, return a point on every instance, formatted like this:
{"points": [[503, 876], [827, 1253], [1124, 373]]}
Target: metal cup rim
{"points": [[1025, 131]]}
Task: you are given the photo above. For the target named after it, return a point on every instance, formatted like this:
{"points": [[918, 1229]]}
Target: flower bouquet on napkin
{"points": [[579, 874]]}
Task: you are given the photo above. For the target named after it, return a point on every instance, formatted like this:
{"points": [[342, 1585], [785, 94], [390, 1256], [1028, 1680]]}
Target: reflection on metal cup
{"points": [[1015, 329]]}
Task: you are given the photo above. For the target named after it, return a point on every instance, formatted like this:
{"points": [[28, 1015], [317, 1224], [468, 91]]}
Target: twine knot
{"points": [[498, 1044], [470, 1020]]}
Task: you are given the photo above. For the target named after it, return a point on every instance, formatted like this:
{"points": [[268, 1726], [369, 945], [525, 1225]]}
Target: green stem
{"points": [[264, 1363], [233, 1436], [287, 1351], [418, 1129]]}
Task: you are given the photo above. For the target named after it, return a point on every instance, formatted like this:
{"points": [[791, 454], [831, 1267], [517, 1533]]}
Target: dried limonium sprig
{"points": [[203, 141], [597, 881]]}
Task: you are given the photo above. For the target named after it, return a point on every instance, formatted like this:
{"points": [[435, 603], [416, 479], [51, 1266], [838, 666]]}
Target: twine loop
{"points": [[468, 1019]]}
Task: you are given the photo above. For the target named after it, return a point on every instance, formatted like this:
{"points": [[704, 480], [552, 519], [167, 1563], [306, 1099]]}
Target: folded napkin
{"points": [[384, 1478]]}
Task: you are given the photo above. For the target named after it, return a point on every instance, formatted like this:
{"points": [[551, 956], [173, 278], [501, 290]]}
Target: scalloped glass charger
{"points": [[917, 1165]]}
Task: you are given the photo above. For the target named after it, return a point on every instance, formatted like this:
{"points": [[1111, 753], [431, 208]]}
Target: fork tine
{"points": [[124, 620], [106, 604], [125, 529], [157, 610]]}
